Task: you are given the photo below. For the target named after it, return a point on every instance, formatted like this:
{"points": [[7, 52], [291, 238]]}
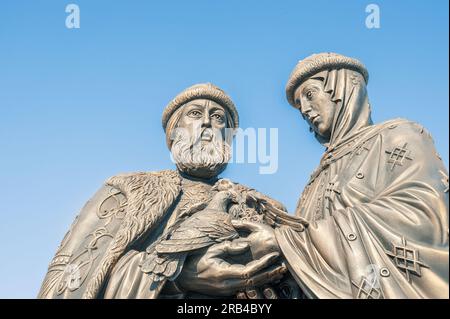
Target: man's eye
{"points": [[309, 94], [195, 114], [217, 117]]}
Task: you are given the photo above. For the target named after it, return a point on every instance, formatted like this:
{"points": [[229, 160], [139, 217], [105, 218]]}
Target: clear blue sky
{"points": [[77, 106]]}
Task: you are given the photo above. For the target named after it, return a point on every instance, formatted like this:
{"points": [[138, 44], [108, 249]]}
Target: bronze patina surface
{"points": [[371, 223]]}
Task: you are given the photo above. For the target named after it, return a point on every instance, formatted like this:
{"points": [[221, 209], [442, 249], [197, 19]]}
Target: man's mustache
{"points": [[199, 135], [205, 134]]}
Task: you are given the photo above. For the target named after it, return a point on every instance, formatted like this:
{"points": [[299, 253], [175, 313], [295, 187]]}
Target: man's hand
{"points": [[210, 274]]}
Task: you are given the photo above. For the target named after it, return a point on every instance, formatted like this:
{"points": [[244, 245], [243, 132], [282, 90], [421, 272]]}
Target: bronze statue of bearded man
{"points": [[113, 249]]}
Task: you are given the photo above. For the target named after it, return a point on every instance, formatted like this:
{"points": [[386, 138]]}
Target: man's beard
{"points": [[199, 158]]}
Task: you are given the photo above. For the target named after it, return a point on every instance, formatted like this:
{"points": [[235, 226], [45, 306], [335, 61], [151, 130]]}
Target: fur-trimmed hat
{"points": [[201, 91], [320, 62]]}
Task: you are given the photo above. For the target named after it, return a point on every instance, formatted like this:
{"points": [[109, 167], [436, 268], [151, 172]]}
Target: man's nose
{"points": [[206, 120]]}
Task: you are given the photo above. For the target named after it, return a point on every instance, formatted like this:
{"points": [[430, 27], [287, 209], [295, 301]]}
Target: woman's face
{"points": [[316, 106]]}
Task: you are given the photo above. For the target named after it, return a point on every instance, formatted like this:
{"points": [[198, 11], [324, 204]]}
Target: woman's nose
{"points": [[306, 109]]}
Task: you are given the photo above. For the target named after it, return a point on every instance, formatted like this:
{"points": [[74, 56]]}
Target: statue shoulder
{"points": [[114, 193], [401, 131], [91, 231], [403, 141], [136, 178]]}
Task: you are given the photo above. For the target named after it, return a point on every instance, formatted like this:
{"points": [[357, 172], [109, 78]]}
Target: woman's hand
{"points": [[210, 274], [261, 237]]}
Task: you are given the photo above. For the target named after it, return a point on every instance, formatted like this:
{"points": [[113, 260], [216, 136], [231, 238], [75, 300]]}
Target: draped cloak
{"points": [[101, 253], [377, 206]]}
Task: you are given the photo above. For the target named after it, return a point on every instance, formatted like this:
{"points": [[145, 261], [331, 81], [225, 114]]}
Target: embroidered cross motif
{"points": [[406, 259], [398, 155], [368, 289]]}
